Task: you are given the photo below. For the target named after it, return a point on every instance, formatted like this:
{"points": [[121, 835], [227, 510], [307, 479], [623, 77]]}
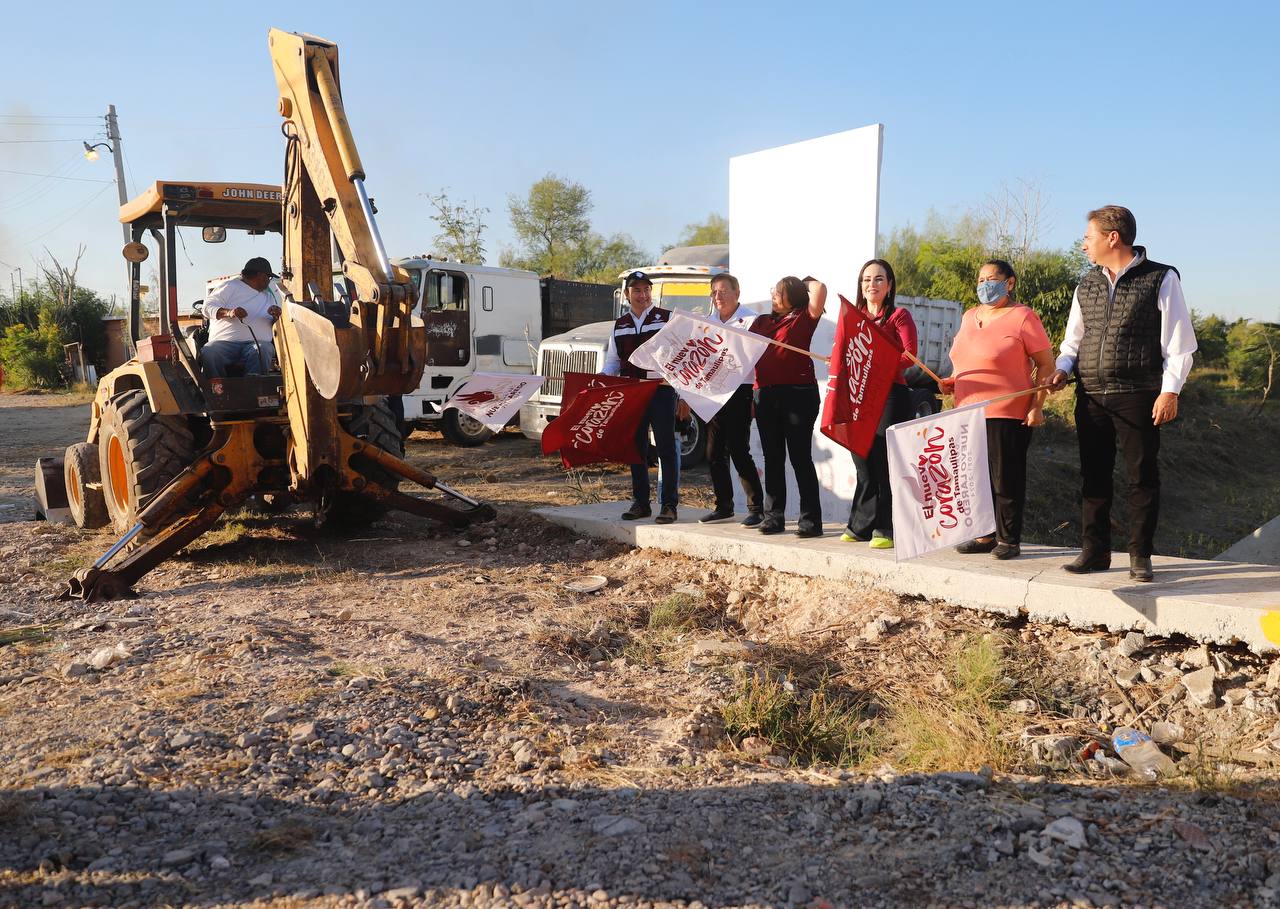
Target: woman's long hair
{"points": [[889, 305], [794, 291]]}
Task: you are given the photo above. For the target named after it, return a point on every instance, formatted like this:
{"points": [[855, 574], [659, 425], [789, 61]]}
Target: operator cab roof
{"points": [[253, 207]]}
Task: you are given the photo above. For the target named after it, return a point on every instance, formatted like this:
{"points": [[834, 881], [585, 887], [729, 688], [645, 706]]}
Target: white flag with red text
{"points": [[494, 398], [940, 480], [705, 362]]}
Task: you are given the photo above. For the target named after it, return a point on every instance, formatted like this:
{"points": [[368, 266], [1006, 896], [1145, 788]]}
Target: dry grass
{"points": [[822, 724], [65, 757], [962, 721], [27, 634], [288, 836]]}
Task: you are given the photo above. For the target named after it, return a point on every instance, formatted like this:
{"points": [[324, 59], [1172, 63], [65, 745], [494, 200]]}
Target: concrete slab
{"points": [[1262, 547], [1214, 602]]}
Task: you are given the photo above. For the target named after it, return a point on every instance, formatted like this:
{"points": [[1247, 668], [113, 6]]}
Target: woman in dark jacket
{"points": [[871, 517], [786, 401]]}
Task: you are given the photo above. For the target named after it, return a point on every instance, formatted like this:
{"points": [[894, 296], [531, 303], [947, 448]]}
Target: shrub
{"points": [[32, 358]]}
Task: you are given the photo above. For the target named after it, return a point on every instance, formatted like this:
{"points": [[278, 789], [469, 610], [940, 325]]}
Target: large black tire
{"points": [[82, 474], [375, 423], [924, 403], [139, 453], [462, 430], [693, 443]]}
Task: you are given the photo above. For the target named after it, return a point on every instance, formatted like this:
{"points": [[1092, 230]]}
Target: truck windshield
{"points": [[689, 296]]}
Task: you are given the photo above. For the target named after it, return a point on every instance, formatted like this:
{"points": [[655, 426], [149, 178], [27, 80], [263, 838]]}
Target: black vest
{"points": [[1120, 350], [626, 337]]}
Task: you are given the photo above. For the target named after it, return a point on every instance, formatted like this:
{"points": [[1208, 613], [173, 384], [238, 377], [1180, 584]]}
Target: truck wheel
{"points": [[375, 424], [924, 403], [139, 453], [693, 443], [83, 477], [462, 430]]}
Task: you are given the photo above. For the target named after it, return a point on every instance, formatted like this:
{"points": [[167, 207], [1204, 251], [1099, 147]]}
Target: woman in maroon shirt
{"points": [[786, 401], [871, 517]]}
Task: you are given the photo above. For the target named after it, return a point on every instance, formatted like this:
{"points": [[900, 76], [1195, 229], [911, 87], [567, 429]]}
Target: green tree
{"points": [[1211, 339], [32, 358], [461, 236], [551, 223], [942, 259], [1253, 355], [715, 229], [601, 259], [553, 226]]}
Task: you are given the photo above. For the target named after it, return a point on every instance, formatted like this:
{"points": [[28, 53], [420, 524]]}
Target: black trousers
{"points": [[1007, 443], [1103, 423], [785, 415], [873, 499], [729, 437]]}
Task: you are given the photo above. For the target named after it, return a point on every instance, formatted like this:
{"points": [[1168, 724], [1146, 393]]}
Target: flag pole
{"points": [[1014, 394]]}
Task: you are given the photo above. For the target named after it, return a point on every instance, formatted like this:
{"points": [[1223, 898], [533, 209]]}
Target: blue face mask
{"points": [[992, 291]]}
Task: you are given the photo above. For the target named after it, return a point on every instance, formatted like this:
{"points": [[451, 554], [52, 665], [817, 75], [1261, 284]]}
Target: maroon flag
{"points": [[575, 382], [864, 363], [599, 423]]}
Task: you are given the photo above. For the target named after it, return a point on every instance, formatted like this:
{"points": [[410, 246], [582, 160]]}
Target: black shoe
{"points": [[753, 519], [1004, 551], [636, 512], [771, 527], [808, 532], [715, 517], [1086, 562], [976, 546], [1140, 568], [666, 516]]}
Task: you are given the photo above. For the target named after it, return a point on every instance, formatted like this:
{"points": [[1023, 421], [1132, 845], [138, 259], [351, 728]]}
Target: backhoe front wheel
{"points": [[82, 476], [139, 453]]}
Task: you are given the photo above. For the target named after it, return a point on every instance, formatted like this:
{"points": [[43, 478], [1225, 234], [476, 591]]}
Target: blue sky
{"points": [[1172, 109]]}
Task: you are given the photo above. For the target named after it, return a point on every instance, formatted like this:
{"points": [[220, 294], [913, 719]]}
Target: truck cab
{"points": [[681, 280], [478, 319]]}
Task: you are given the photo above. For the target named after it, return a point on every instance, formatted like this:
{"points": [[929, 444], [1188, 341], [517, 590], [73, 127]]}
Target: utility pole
{"points": [[113, 133]]}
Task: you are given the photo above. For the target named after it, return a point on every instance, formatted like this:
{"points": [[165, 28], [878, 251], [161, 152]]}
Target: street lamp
{"points": [[91, 151]]}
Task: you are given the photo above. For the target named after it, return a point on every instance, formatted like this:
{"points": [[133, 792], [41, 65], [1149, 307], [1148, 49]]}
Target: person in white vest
{"points": [[729, 433], [241, 313]]}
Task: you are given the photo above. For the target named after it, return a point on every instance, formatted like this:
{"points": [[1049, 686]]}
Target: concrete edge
{"points": [[1239, 610]]}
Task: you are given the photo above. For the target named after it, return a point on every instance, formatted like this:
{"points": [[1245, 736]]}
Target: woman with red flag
{"points": [[992, 355], [871, 517], [786, 402]]}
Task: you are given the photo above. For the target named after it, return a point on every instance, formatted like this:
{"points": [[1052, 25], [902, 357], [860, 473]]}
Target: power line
{"points": [[50, 116], [27, 173], [33, 141], [77, 211]]}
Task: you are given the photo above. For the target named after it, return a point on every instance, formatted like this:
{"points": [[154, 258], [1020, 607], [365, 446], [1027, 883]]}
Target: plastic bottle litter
{"points": [[1138, 751]]}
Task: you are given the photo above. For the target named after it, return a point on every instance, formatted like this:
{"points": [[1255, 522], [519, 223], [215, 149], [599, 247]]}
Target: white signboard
{"points": [[810, 208]]}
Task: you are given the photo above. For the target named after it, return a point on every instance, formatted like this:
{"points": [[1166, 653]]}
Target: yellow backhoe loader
{"points": [[170, 448]]}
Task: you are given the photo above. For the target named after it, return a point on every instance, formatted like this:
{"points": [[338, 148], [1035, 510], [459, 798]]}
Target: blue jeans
{"points": [[218, 355], [661, 415]]}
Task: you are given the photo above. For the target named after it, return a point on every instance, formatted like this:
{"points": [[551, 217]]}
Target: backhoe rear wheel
{"points": [[376, 424], [82, 475], [139, 453]]}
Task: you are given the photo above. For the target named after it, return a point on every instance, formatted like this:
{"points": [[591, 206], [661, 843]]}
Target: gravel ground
{"points": [[420, 717]]}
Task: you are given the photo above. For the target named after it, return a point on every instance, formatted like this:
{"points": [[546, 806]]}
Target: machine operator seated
{"points": [[241, 313]]}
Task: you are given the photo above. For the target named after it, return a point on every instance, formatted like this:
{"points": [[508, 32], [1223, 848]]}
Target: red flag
{"points": [[865, 362], [600, 422], [575, 382]]}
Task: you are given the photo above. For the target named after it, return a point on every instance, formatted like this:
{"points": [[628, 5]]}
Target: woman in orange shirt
{"points": [[992, 355]]}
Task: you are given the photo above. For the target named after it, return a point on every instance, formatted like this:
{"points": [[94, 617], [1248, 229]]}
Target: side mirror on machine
{"points": [[214, 235]]}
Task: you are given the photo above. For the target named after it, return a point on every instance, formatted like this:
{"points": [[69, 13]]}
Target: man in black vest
{"points": [[640, 323], [1130, 342]]}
